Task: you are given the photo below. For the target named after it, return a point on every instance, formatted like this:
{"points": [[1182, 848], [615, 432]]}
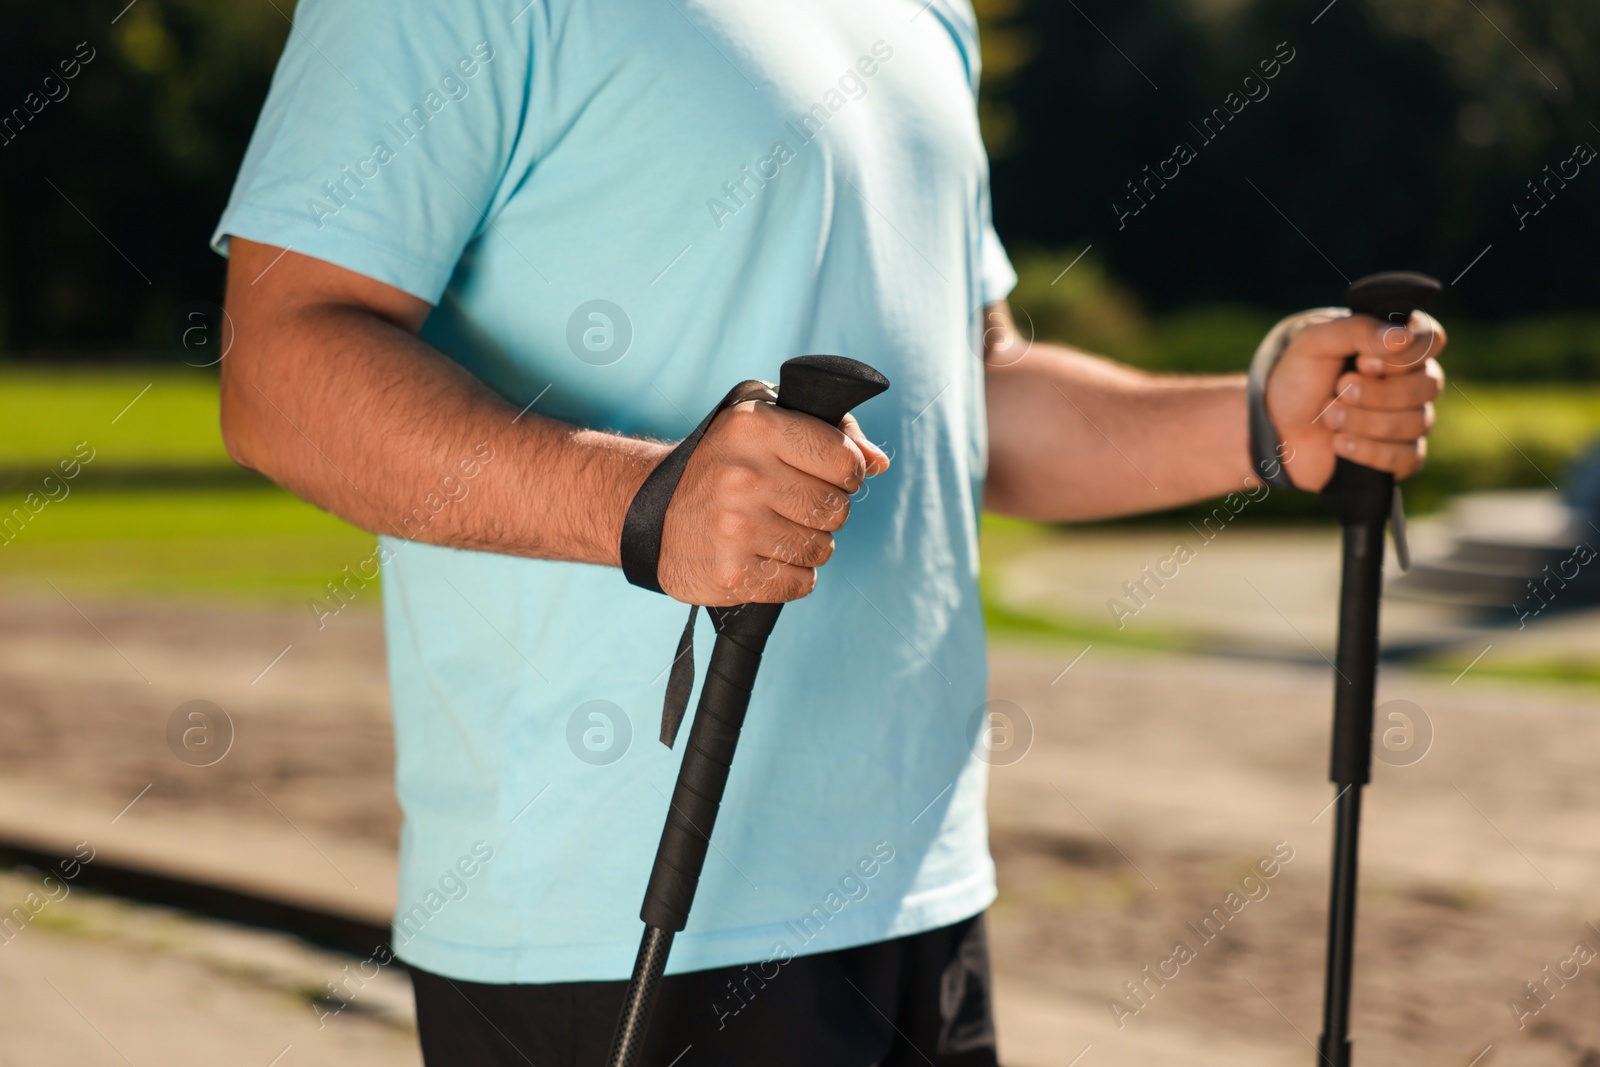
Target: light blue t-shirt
{"points": [[619, 208]]}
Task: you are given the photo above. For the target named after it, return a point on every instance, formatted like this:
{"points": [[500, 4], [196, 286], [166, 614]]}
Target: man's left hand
{"points": [[1379, 415]]}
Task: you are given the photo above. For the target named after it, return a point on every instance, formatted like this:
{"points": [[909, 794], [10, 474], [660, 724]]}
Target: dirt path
{"points": [[1155, 784], [1152, 786], [91, 981]]}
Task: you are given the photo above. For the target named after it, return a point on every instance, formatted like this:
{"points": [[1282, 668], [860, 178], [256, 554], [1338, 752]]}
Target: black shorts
{"points": [[919, 1001]]}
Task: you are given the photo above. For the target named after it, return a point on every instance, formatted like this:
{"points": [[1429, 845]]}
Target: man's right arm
{"points": [[328, 391]]}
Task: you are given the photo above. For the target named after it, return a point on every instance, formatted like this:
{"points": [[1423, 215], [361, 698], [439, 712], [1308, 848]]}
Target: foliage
{"points": [[1065, 297], [1400, 135], [142, 148]]}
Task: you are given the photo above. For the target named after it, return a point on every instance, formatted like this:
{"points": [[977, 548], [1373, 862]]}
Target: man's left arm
{"points": [[1075, 437]]}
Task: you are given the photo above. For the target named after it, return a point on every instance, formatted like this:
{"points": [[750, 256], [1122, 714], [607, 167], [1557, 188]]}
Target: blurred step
{"points": [[1497, 544]]}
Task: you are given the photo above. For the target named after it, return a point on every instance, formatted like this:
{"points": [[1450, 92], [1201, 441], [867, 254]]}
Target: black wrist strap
{"points": [[641, 544], [1265, 447]]}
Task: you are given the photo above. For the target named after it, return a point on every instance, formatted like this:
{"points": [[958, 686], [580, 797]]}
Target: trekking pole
{"points": [[1363, 500], [825, 387]]}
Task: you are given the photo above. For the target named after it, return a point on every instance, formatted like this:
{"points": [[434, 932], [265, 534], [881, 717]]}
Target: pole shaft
{"points": [[634, 1023], [1355, 684], [1356, 662], [1335, 1044]]}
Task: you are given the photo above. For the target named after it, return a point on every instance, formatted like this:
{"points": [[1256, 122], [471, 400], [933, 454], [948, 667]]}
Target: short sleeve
{"points": [[385, 138], [996, 276]]}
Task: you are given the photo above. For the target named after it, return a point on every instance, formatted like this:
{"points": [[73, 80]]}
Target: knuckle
{"points": [[735, 479], [734, 425], [727, 575], [729, 525]]}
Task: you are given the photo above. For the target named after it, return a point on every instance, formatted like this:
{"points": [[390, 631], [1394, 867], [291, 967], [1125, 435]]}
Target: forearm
{"points": [[1076, 437], [363, 419]]}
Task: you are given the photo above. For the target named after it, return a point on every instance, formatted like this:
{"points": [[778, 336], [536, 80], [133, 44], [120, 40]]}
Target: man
{"points": [[487, 259]]}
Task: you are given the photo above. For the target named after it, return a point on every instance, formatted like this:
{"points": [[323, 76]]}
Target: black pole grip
{"points": [[703, 775], [825, 387]]}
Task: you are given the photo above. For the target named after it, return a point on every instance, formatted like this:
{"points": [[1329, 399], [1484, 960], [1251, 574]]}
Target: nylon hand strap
{"points": [[641, 544], [1265, 447]]}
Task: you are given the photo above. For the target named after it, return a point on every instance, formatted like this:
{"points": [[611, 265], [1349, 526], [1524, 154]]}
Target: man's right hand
{"points": [[754, 514], [329, 392]]}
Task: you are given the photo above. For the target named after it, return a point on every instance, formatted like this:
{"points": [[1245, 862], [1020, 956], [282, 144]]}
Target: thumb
{"points": [[1381, 348], [877, 459]]}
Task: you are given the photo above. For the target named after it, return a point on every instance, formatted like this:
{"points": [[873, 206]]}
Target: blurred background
{"points": [[1153, 748]]}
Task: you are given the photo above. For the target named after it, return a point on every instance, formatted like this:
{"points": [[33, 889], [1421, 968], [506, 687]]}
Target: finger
{"points": [[752, 579], [1398, 459], [801, 546], [1391, 394], [1399, 347], [1329, 336], [822, 451], [1379, 347], [877, 459], [1400, 426], [776, 582], [811, 502]]}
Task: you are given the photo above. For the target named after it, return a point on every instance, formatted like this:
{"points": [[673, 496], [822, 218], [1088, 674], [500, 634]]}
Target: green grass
{"points": [[1001, 540], [46, 412], [1492, 437], [256, 541], [250, 540], [1569, 671], [249, 543]]}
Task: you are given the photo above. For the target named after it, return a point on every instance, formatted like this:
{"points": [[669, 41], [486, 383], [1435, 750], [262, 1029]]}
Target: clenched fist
{"points": [[754, 514], [1379, 415]]}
